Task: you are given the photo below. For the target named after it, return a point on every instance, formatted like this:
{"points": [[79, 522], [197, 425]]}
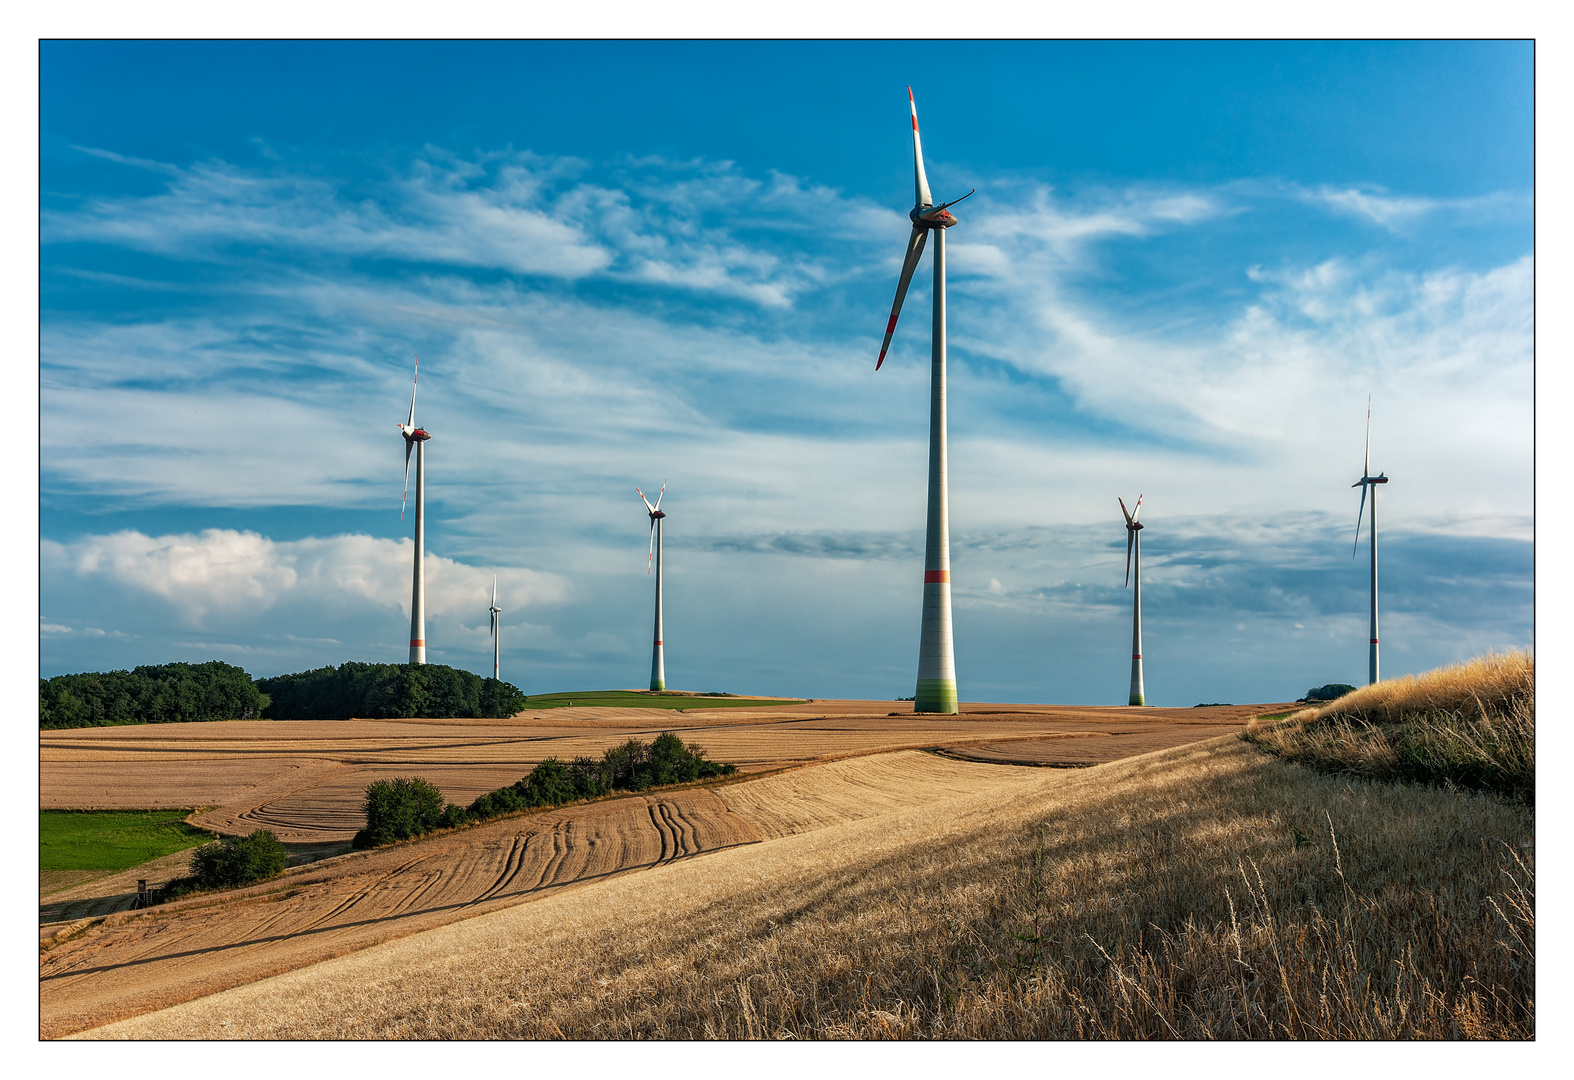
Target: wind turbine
{"points": [[415, 439], [936, 691], [496, 611], [1368, 480], [1134, 579], [658, 663]]}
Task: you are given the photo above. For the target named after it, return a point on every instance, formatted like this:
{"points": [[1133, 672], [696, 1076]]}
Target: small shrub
{"points": [[399, 809], [236, 861]]}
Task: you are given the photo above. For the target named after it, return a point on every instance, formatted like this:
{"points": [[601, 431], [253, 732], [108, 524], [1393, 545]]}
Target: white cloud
{"points": [[230, 573]]}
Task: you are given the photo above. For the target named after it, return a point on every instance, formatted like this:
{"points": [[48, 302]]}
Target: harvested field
{"points": [[305, 779], [136, 961], [1207, 891]]}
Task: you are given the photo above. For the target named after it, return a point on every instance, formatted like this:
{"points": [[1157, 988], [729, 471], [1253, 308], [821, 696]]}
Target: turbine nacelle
{"points": [[926, 218], [1133, 527], [934, 217], [656, 514], [412, 437]]}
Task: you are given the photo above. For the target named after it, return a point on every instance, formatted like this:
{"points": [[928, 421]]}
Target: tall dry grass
{"points": [[1471, 725], [1207, 892]]}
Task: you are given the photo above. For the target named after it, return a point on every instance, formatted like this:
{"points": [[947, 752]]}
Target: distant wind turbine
{"points": [[415, 439], [1134, 579], [658, 662], [936, 691], [1369, 481], [495, 611]]}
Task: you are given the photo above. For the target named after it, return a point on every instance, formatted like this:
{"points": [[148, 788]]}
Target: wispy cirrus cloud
{"points": [[1396, 211]]}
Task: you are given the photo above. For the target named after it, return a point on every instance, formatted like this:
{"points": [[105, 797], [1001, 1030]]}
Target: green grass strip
{"points": [[112, 840]]}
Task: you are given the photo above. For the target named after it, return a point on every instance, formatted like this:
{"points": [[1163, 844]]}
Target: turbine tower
{"points": [[936, 691], [1369, 481], [658, 662], [415, 439], [495, 611], [1134, 579]]}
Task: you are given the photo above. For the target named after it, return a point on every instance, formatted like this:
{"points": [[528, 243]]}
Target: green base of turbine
{"points": [[658, 684], [1136, 699], [935, 696]]}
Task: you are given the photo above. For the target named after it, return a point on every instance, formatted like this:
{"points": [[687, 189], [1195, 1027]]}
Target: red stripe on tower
{"points": [[1136, 656], [1373, 641], [417, 643], [932, 577]]}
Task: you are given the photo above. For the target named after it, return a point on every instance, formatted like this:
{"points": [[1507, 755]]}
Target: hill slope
{"points": [[1205, 891]]}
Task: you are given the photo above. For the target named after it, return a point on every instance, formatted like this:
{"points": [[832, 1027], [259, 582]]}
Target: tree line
{"points": [[193, 693], [408, 807]]}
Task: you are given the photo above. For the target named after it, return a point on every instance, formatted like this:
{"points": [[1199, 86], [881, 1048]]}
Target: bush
{"points": [[399, 809], [151, 694], [1331, 692], [236, 861], [385, 691]]}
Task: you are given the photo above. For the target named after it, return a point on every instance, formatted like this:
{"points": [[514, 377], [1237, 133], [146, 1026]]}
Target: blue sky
{"points": [[1185, 268]]}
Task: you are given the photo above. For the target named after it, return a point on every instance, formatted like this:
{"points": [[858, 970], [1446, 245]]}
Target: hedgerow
{"points": [[399, 809]]}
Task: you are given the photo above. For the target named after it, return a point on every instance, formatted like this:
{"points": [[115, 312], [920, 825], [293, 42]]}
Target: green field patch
{"points": [[648, 699], [111, 840]]}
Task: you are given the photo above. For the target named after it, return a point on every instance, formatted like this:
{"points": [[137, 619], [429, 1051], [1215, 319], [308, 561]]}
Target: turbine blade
{"points": [[921, 194], [915, 250], [494, 590], [648, 508], [413, 382], [1126, 513], [1366, 464], [1130, 536], [1358, 514], [660, 493], [1135, 510], [651, 554], [404, 499]]}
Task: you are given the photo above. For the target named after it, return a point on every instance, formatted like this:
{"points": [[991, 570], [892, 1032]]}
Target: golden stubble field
{"points": [[304, 780], [137, 961], [1208, 891]]}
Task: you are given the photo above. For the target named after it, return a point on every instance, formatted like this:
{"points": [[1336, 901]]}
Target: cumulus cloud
{"points": [[230, 572]]}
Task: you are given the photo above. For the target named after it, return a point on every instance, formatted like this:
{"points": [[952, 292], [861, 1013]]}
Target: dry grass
{"points": [[1472, 725], [1209, 891]]}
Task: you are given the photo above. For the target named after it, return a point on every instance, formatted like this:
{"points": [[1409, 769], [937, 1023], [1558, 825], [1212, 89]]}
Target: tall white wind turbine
{"points": [[415, 439], [1134, 579], [936, 691], [658, 661], [496, 637], [1369, 481]]}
